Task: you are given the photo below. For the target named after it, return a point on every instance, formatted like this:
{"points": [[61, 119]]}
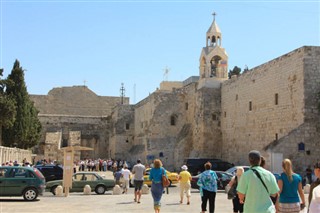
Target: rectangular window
{"points": [[276, 136], [186, 106], [173, 120], [214, 117], [276, 97], [127, 126], [250, 106], [225, 114], [236, 97]]}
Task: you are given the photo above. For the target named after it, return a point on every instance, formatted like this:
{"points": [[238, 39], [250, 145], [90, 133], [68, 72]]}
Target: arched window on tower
{"points": [[213, 41], [218, 42], [214, 66]]}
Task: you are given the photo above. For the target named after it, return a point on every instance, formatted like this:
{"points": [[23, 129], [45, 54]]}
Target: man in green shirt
{"points": [[252, 192]]}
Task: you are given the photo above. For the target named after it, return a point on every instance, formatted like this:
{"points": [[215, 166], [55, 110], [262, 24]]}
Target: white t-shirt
{"points": [[126, 174], [315, 202], [138, 171]]}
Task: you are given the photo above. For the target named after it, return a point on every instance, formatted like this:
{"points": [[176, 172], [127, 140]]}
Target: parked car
{"points": [[50, 172], [196, 165], [223, 180], [233, 170], [21, 181], [80, 179], [172, 176]]}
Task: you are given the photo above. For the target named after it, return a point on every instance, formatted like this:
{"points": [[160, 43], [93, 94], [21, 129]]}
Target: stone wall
{"points": [[292, 79], [176, 125], [76, 100], [122, 133], [8, 154], [308, 133], [60, 131]]}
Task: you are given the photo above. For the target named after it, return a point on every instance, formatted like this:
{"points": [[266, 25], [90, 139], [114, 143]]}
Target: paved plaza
{"points": [[77, 202]]}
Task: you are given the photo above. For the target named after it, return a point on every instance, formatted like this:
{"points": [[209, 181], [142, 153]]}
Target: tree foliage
{"points": [[7, 104], [235, 71], [26, 129]]}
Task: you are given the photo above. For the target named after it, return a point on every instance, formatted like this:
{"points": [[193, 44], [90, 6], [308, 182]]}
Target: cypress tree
{"points": [[25, 132]]}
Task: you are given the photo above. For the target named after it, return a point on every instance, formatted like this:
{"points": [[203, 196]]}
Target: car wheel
{"points": [[30, 194], [53, 190], [100, 189]]}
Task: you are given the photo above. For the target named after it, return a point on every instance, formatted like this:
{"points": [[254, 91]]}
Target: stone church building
{"points": [[272, 108]]}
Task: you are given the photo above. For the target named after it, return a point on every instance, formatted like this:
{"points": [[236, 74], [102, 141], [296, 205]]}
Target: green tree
{"points": [[235, 71], [26, 129], [7, 106]]}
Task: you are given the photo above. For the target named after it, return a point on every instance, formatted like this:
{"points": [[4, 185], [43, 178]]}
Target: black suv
{"points": [[51, 172], [196, 165]]}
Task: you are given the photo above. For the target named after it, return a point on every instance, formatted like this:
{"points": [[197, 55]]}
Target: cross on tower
{"points": [[214, 16]]}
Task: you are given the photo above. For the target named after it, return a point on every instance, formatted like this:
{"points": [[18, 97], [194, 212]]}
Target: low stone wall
{"points": [[7, 154]]}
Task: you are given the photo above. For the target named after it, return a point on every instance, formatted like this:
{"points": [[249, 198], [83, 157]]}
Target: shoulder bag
{"points": [[232, 193], [165, 180], [273, 199]]}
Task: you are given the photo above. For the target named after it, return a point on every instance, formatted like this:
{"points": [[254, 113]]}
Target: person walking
{"points": [[255, 187], [237, 206], [185, 178], [207, 183], [126, 178], [290, 185], [117, 175], [314, 195], [139, 171], [156, 186]]}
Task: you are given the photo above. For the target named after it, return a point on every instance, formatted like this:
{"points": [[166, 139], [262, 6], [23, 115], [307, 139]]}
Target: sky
{"points": [[102, 43]]}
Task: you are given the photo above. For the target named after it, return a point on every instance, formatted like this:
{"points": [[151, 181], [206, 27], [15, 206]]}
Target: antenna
{"points": [[122, 92], [166, 73]]}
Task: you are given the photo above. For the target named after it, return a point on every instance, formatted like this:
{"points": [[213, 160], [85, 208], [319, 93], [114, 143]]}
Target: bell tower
{"points": [[213, 58]]}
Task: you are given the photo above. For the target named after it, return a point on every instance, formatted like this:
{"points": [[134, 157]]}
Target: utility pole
{"points": [[122, 92]]}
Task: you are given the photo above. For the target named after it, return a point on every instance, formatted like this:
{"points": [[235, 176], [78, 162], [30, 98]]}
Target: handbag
{"points": [[273, 199], [232, 192], [165, 180]]}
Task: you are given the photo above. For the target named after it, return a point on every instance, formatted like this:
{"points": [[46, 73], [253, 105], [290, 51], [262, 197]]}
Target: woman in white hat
{"points": [[185, 178]]}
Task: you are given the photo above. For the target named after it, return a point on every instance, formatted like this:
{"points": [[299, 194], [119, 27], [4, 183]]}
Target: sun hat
{"points": [[184, 167]]}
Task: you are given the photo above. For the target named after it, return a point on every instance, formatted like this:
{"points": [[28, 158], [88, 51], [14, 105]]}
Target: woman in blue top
{"points": [[290, 185], [208, 187], [156, 186]]}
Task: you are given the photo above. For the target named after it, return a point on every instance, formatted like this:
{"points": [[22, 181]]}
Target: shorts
{"points": [[138, 185]]}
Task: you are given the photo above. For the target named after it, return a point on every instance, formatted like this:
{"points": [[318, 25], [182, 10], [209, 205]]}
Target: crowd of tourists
{"points": [[256, 190]]}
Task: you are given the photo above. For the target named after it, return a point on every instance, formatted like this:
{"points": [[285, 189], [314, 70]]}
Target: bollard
{"points": [[117, 190], [87, 190], [59, 191]]}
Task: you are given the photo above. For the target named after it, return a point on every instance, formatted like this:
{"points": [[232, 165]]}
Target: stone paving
{"points": [[77, 202]]}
